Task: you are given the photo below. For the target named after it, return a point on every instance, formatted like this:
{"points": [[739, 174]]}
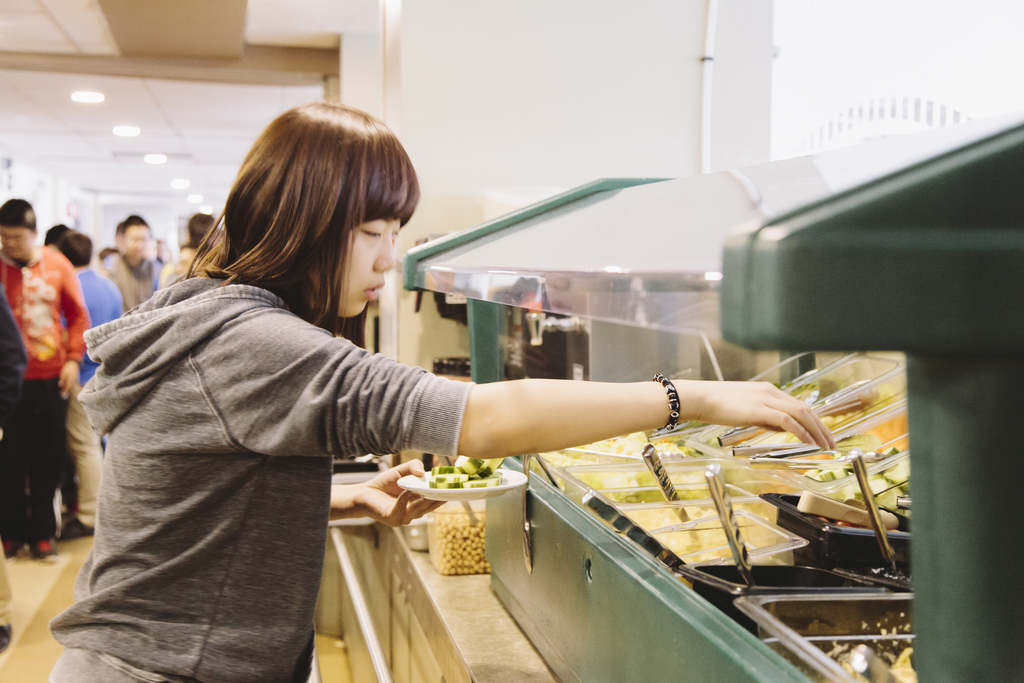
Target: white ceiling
{"points": [[205, 129], [57, 26], [309, 23]]}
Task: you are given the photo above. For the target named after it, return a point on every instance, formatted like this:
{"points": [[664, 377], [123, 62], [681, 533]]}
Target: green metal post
{"points": [[486, 327], [968, 518]]}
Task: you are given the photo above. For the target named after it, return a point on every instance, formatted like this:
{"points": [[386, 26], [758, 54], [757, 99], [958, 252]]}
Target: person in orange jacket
{"points": [[41, 287]]}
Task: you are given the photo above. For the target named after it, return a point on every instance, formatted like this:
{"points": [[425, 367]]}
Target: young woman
{"points": [[226, 395]]}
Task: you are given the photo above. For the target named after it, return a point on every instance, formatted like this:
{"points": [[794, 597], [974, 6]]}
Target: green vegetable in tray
{"points": [[898, 473]]}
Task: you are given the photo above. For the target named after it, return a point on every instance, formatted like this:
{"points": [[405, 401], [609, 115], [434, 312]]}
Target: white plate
{"points": [[510, 479]]}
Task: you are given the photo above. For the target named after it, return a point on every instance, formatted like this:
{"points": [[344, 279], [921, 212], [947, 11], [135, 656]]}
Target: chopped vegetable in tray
{"points": [[651, 519], [633, 444], [902, 670], [888, 485]]}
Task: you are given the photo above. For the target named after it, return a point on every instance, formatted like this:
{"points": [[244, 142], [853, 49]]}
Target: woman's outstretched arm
{"points": [[536, 415]]}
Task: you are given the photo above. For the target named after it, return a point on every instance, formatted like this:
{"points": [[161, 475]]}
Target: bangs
{"points": [[392, 190]]}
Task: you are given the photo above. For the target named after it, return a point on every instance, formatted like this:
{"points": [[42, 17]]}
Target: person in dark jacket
{"points": [[12, 370], [12, 361]]}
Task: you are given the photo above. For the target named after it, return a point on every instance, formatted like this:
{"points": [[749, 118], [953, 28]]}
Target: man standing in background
{"points": [[133, 273], [54, 235], [12, 370], [103, 300], [41, 287]]}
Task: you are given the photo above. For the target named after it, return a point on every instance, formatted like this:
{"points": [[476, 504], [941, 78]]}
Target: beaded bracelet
{"points": [[673, 401]]}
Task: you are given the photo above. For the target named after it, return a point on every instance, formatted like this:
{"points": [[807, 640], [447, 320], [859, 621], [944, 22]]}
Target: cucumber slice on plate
{"points": [[489, 467], [475, 467], [446, 469], [449, 478], [483, 483], [444, 484], [468, 465]]}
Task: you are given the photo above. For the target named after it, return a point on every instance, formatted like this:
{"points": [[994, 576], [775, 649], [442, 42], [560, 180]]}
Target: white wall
{"points": [[965, 59], [538, 93], [742, 84], [53, 199], [361, 73]]}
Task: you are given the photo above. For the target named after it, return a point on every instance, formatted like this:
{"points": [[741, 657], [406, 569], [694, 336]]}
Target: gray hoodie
{"points": [[223, 409]]}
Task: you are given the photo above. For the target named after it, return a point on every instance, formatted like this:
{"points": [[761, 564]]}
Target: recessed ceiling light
{"points": [[88, 97], [180, 184], [126, 131], [205, 209], [194, 199], [155, 159]]}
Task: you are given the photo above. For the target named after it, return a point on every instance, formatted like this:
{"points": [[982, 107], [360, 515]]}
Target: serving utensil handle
{"points": [[668, 489], [861, 470], [713, 476]]}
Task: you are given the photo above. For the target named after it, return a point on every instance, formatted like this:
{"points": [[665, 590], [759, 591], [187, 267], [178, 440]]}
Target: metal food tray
{"points": [[805, 628], [633, 483], [701, 541], [892, 377]]}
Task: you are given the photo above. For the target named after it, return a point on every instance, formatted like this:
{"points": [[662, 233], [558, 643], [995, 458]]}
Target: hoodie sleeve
{"points": [[281, 386], [75, 313], [12, 360]]}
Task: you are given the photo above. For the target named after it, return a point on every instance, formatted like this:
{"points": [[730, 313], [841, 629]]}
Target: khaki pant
{"points": [[85, 450], [5, 595]]}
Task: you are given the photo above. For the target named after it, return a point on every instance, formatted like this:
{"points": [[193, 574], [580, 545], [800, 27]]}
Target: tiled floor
{"points": [[41, 591]]}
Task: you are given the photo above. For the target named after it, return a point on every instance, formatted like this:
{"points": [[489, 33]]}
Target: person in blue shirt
{"points": [[103, 301]]}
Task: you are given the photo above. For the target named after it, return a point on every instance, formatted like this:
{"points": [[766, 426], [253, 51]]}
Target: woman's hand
{"points": [[382, 499], [755, 403]]}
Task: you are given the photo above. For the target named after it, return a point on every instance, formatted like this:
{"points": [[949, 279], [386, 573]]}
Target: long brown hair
{"points": [[312, 176]]}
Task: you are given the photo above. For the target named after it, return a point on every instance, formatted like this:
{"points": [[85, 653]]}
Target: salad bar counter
{"points": [[735, 554]]}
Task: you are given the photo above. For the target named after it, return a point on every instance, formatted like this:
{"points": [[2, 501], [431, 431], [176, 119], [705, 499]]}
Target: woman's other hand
{"points": [[756, 403], [382, 499]]}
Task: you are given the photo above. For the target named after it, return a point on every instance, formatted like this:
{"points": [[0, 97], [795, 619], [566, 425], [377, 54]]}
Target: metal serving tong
{"points": [[881, 534], [713, 475], [625, 526], [864, 661], [668, 489], [783, 458]]}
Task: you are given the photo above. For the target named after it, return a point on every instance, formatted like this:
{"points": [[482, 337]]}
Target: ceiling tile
{"points": [[50, 146], [127, 103], [32, 32], [10, 6], [309, 23], [84, 22], [237, 110], [205, 128]]}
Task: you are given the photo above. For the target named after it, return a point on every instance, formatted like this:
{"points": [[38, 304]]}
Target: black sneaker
{"points": [[75, 529], [5, 637], [12, 548], [43, 550]]}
